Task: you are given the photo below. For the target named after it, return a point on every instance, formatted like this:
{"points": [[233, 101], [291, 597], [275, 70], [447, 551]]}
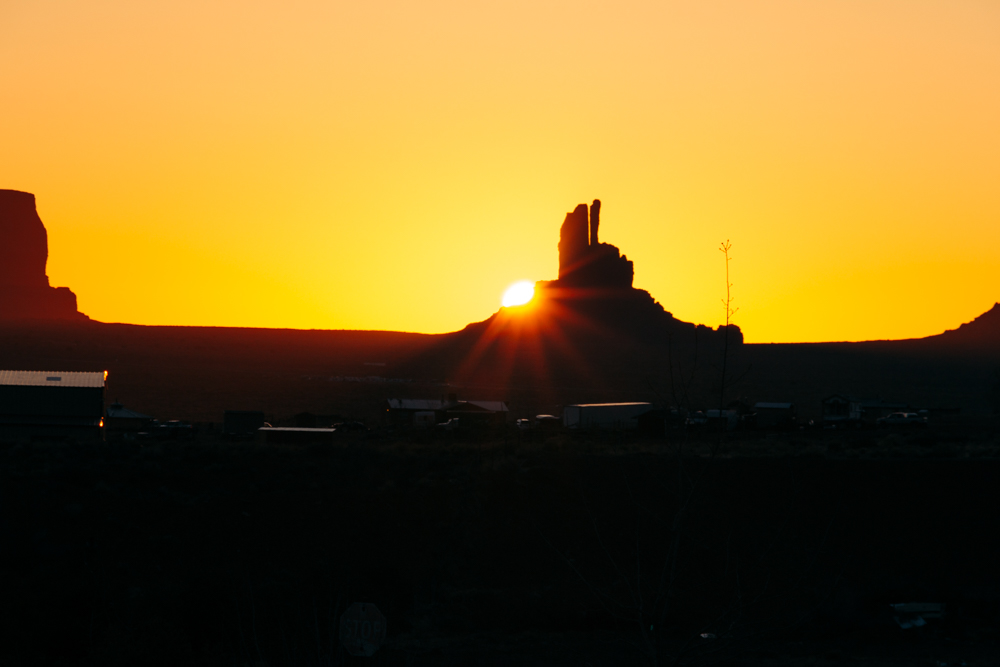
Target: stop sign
{"points": [[362, 629]]}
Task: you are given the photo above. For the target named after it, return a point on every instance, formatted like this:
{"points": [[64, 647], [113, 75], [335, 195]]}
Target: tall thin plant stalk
{"points": [[730, 311]]}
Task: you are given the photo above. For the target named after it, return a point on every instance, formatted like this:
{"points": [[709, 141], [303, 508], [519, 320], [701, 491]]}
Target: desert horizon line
{"points": [[585, 263], [445, 333]]}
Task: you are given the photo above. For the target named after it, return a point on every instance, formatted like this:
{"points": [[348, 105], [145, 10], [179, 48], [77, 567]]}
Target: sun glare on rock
{"points": [[518, 294]]}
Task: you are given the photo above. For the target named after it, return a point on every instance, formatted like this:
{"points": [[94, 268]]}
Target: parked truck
{"points": [[604, 415]]}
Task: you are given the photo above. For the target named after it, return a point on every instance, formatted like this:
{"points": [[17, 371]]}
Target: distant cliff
{"points": [[25, 293]]}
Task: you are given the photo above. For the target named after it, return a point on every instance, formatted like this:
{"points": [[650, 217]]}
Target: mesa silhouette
{"points": [[589, 327], [25, 293]]}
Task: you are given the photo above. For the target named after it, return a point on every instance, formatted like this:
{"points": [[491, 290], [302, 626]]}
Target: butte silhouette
{"points": [[588, 328], [981, 333], [25, 293]]}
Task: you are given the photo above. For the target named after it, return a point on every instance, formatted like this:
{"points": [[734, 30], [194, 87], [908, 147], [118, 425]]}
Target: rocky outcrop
{"points": [[587, 336], [982, 333], [584, 261], [25, 292], [25, 248]]}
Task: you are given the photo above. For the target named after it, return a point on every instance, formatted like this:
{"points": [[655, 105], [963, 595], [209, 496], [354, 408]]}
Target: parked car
{"points": [[450, 425], [697, 418], [171, 430], [905, 419], [523, 424], [548, 422]]}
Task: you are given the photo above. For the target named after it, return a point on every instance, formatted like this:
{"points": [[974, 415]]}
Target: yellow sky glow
{"points": [[396, 165]]}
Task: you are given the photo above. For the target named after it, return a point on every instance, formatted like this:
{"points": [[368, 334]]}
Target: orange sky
{"points": [[395, 165]]}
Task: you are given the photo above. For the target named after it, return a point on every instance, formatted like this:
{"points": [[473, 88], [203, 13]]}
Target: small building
{"points": [[852, 411], [416, 412], [604, 415], [57, 405], [774, 415], [715, 418], [120, 422], [837, 409], [475, 413], [422, 412]]}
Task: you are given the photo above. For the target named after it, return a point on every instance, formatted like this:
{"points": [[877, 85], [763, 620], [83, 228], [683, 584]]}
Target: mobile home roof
{"points": [[52, 378], [602, 405]]}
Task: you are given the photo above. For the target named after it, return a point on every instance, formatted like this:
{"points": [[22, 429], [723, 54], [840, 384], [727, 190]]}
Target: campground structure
{"points": [[52, 405], [428, 412]]}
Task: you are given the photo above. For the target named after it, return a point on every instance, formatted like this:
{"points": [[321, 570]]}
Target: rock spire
{"points": [[586, 262], [25, 292]]}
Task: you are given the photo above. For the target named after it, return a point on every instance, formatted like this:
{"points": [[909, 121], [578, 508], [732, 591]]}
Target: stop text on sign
{"points": [[362, 629]]}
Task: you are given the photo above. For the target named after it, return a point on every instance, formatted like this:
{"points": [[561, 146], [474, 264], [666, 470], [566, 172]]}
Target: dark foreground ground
{"points": [[486, 550]]}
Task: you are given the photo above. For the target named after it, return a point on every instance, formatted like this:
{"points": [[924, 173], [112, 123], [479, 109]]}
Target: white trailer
{"points": [[604, 415]]}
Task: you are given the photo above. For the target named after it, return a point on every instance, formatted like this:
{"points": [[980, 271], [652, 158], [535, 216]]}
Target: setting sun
{"points": [[518, 294]]}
